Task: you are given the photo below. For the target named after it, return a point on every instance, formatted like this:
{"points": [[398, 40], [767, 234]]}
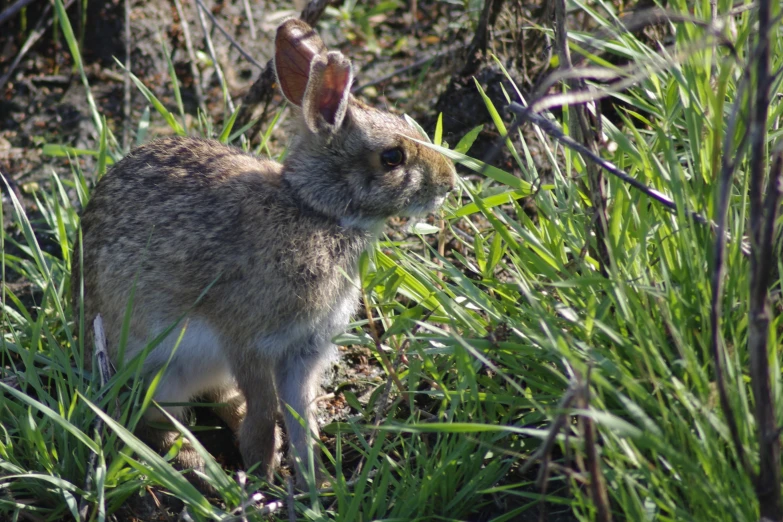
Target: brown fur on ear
{"points": [[296, 46], [326, 98]]}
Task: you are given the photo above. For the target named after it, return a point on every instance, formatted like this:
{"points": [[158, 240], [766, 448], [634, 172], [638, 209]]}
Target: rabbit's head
{"points": [[349, 161]]}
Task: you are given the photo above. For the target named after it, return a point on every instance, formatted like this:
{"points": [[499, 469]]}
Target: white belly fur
{"points": [[199, 363]]}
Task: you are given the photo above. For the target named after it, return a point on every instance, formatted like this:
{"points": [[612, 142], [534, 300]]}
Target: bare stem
{"points": [[192, 55], [587, 135], [763, 212]]}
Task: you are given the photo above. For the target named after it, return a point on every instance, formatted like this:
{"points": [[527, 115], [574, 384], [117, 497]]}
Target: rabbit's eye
{"points": [[392, 157]]}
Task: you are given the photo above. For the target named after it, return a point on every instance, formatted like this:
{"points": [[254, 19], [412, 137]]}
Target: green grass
{"points": [[495, 332]]}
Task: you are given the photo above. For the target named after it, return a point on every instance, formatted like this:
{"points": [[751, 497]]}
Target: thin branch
{"points": [[554, 429], [741, 7], [415, 65], [313, 11], [38, 31], [758, 127], [597, 484], [762, 219], [478, 46], [378, 346], [587, 134], [104, 373], [126, 96], [554, 131], [213, 54], [391, 370], [654, 16], [621, 77], [192, 56], [290, 500], [250, 22], [230, 38], [271, 508], [13, 9], [384, 398], [728, 164]]}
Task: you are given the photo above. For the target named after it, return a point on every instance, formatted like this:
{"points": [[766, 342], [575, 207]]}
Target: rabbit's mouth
{"points": [[419, 209]]}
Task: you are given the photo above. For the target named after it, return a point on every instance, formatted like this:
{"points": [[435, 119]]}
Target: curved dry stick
{"points": [[13, 9], [105, 373], [588, 134], [230, 38], [762, 230], [626, 77], [38, 31], [728, 165], [192, 55], [654, 16], [555, 132], [213, 54]]}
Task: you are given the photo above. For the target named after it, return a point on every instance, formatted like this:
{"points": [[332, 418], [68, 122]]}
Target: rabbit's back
{"points": [[204, 229]]}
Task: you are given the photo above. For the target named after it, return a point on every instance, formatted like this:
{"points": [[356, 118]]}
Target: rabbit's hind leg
{"points": [[163, 440], [155, 427], [197, 367], [232, 409]]}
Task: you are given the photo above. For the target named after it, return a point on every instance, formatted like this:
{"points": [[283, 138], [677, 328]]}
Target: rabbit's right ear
{"points": [[317, 81]]}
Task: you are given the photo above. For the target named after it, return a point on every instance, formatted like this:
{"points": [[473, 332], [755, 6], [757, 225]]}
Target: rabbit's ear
{"points": [[326, 96], [296, 46]]}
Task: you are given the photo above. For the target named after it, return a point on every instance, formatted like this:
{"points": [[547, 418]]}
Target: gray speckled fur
{"points": [[179, 214]]}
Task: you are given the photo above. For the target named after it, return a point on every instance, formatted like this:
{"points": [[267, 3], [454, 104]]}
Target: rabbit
{"points": [[253, 254]]}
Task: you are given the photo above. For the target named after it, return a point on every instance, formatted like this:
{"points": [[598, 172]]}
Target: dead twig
{"points": [[230, 38], [768, 481], [598, 490], [380, 409], [653, 16], [621, 78], [543, 452], [277, 505], [376, 338], [104, 373], [126, 97], [740, 8], [402, 70], [391, 370], [728, 165], [215, 62], [478, 46], [290, 503], [240, 512], [554, 131], [763, 211], [589, 136], [192, 56], [11, 10], [272, 507], [250, 22], [38, 31]]}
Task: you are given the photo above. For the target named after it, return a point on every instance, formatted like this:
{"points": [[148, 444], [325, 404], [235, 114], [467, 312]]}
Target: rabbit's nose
{"points": [[449, 181], [443, 187]]}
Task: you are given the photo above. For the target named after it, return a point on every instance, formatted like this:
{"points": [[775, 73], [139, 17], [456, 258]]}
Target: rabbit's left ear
{"points": [[325, 100], [296, 46]]}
